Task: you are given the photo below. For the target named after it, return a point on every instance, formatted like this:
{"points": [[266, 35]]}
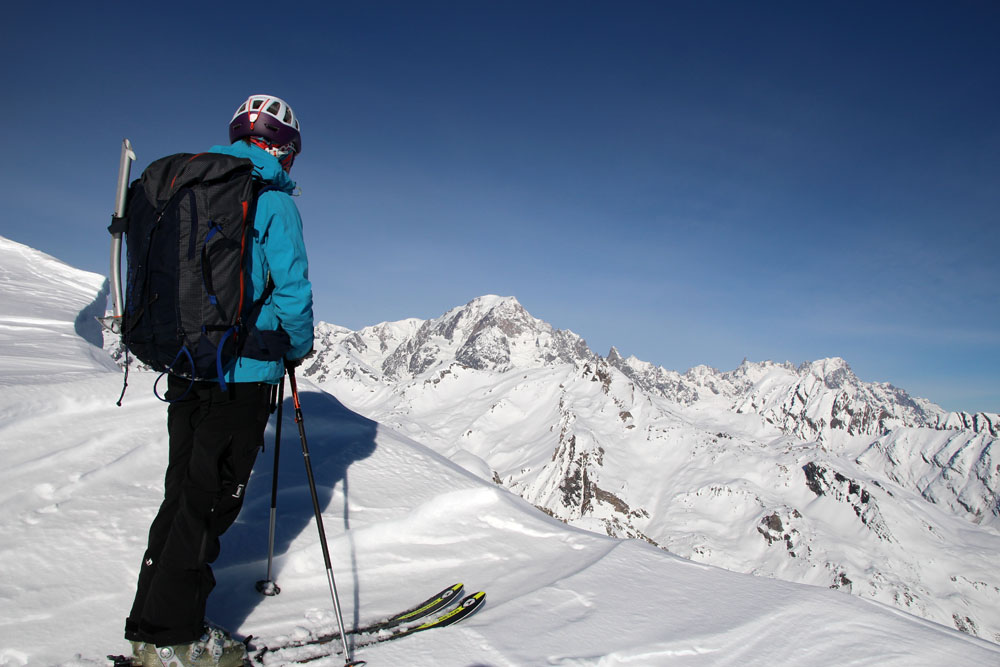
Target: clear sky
{"points": [[691, 182]]}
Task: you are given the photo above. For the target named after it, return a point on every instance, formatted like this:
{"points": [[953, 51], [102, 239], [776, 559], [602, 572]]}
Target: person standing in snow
{"points": [[215, 433]]}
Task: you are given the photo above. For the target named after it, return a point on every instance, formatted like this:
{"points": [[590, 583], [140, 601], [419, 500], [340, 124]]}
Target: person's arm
{"points": [[285, 251]]}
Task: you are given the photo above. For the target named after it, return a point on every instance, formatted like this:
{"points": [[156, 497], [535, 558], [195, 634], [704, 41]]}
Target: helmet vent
{"points": [[268, 117]]}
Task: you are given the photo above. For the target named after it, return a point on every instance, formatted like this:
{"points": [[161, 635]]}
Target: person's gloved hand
{"points": [[291, 364]]}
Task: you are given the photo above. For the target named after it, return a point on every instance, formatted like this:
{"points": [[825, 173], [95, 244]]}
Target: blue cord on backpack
{"points": [[218, 357], [190, 359]]}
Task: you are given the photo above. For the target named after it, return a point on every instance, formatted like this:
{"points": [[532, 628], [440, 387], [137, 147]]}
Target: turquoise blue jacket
{"points": [[278, 248]]}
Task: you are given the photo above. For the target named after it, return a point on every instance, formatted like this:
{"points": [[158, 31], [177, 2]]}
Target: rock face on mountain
{"points": [[487, 334], [808, 401], [827, 395], [801, 472], [979, 422]]}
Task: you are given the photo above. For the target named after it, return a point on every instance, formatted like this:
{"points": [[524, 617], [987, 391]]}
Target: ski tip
{"points": [[472, 603]]}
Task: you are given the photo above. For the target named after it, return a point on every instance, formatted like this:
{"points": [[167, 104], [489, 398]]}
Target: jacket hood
{"points": [[265, 164]]}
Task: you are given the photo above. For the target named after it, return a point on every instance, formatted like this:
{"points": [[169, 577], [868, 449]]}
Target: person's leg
{"points": [[226, 432], [182, 415]]}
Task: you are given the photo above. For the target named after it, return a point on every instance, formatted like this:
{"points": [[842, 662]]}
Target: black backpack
{"points": [[189, 307]]}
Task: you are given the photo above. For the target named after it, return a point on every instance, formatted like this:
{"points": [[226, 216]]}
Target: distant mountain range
{"points": [[804, 473]]}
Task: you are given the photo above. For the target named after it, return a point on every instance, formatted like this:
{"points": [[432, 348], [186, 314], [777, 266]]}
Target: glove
{"points": [[291, 364]]}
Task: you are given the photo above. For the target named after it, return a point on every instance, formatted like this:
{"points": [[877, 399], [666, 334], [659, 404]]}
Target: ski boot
{"points": [[215, 649]]}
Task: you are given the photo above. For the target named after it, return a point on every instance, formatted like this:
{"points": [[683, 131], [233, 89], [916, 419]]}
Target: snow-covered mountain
{"points": [[808, 401], [82, 478], [803, 473]]}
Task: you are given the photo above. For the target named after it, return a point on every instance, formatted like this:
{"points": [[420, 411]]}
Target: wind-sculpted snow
{"points": [[779, 470], [48, 314], [82, 478]]}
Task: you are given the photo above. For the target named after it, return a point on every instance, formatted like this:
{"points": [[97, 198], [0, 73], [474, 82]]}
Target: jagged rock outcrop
{"points": [[823, 481], [979, 422]]}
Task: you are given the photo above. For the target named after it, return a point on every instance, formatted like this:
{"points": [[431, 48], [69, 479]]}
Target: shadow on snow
{"points": [[337, 437]]}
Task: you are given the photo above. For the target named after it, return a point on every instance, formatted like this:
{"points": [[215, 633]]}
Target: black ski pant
{"points": [[214, 439]]}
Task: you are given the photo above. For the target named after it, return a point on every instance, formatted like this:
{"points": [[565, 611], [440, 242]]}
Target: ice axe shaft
{"points": [[124, 170]]}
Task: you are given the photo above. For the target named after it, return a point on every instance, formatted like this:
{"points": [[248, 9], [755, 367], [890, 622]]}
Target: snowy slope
{"points": [[81, 481], [715, 467], [47, 317]]}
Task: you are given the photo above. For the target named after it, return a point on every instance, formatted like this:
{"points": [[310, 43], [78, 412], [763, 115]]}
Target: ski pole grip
{"points": [[293, 385]]}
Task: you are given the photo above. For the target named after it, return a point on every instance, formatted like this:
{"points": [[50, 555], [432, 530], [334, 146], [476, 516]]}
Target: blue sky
{"points": [[691, 182]]}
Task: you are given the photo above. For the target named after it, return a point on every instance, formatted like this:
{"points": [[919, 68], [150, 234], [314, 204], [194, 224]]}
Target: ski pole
{"points": [[267, 586], [349, 660]]}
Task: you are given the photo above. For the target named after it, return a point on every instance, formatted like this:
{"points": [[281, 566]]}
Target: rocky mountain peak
{"points": [[488, 333], [834, 372]]}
